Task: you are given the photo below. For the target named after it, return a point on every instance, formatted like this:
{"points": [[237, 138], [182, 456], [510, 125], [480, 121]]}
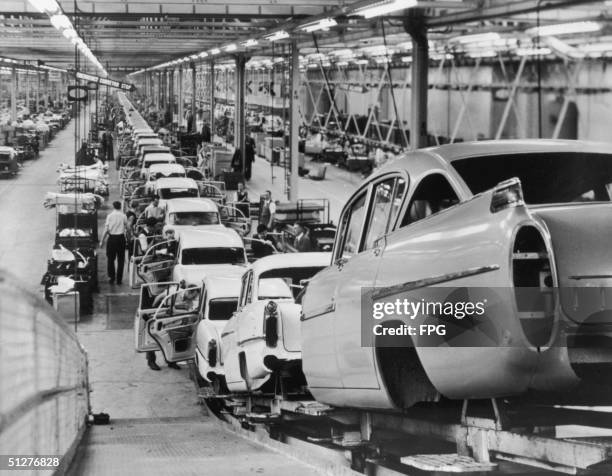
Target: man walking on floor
{"points": [[115, 230]]}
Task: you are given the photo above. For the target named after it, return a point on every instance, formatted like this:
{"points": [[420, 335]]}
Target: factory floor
{"points": [[156, 425]]}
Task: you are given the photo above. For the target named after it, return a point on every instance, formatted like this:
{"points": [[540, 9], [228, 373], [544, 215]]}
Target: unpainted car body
{"points": [[451, 223], [219, 302], [264, 334]]}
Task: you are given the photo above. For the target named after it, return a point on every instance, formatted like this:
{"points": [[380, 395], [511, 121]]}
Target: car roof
{"points": [[5, 148], [149, 141], [154, 148], [444, 155], [217, 238], [163, 167], [191, 205], [175, 182], [220, 287], [159, 156], [291, 260]]}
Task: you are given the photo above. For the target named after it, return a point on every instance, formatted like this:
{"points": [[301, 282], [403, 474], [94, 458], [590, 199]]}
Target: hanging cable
{"points": [[400, 126]]}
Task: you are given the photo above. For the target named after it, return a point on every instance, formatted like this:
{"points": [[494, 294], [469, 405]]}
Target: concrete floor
{"points": [[157, 426]]}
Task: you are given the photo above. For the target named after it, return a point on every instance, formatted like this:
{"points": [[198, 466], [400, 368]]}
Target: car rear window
{"points": [[222, 309], [169, 193], [220, 255], [194, 218], [545, 177]]}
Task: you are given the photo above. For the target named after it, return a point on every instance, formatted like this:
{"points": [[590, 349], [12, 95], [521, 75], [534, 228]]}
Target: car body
{"points": [[158, 170], [192, 213], [264, 335], [219, 252], [219, 302], [155, 158], [152, 149], [168, 188], [144, 142], [9, 164], [448, 224]]}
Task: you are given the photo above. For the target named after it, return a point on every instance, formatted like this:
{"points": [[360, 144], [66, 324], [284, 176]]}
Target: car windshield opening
{"points": [[222, 309], [545, 177], [194, 218], [269, 281], [169, 193], [226, 255]]}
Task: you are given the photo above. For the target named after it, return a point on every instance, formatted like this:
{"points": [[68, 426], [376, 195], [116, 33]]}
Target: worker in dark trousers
{"points": [[249, 148], [115, 230]]}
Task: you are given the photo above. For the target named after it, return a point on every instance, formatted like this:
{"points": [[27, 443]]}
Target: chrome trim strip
{"points": [[319, 311], [250, 339], [387, 291]]}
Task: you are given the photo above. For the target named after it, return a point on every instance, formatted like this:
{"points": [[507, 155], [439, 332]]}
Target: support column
{"points": [[37, 91], [13, 94], [294, 121], [47, 90], [171, 94], [162, 92], [194, 125], [180, 97], [414, 23], [212, 99], [239, 111]]}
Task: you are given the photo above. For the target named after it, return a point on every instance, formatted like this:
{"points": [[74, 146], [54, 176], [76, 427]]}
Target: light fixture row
{"points": [[479, 45], [63, 24]]}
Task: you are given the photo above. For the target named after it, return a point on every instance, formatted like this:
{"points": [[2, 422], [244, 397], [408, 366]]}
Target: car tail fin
{"points": [[506, 194]]}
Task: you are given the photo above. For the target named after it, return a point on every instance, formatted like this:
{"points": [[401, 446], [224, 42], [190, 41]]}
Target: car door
{"points": [[155, 265], [173, 327], [145, 311], [319, 312], [357, 269]]}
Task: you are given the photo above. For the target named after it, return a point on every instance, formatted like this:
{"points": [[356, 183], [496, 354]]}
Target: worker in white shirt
{"points": [[115, 229], [268, 210], [153, 210]]}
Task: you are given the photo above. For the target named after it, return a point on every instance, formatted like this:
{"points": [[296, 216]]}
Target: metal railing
{"points": [[44, 389]]}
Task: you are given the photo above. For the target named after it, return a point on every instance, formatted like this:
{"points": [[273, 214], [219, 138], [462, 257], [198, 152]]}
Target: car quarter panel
{"points": [[471, 242]]}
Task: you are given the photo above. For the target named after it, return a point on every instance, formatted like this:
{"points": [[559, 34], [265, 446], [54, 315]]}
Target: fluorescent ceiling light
{"points": [[597, 48], [478, 38], [406, 59], [565, 28], [250, 42], [203, 54], [383, 8], [345, 53], [231, 47], [342, 63], [69, 33], [60, 21], [215, 51], [277, 35], [362, 61], [482, 54], [49, 7], [533, 51], [324, 24], [377, 50]]}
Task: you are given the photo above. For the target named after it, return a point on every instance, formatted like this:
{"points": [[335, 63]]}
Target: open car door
{"points": [[145, 312], [174, 323], [157, 263]]}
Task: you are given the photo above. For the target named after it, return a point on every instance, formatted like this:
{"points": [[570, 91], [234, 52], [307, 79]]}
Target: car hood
{"points": [[583, 258], [195, 227], [194, 274]]}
